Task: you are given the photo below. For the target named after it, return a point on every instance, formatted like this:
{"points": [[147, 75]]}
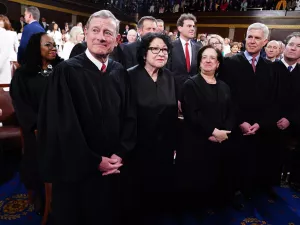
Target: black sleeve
{"points": [[192, 110], [63, 152], [127, 61], [78, 49]]}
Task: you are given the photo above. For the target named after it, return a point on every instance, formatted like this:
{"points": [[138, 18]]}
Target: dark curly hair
{"points": [[200, 53], [33, 58], [145, 43]]}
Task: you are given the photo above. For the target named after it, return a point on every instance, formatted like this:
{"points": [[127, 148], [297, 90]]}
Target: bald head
{"points": [[131, 36], [272, 49]]}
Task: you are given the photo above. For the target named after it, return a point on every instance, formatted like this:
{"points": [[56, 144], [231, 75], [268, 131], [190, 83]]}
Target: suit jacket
{"points": [[45, 27], [18, 26], [78, 49], [177, 63], [129, 52], [29, 30]]}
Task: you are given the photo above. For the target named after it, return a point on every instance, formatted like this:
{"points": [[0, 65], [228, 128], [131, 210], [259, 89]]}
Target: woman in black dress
{"points": [[151, 163], [208, 120], [26, 89]]}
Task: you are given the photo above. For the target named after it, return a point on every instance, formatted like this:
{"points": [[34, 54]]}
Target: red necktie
{"points": [[103, 68], [253, 64], [187, 57]]}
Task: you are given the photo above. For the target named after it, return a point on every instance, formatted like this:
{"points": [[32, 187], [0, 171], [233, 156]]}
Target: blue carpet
{"points": [[14, 210]]}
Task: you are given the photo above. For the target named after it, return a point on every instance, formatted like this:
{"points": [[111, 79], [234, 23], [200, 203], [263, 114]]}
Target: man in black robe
{"points": [[86, 126], [249, 76], [145, 25], [287, 122]]}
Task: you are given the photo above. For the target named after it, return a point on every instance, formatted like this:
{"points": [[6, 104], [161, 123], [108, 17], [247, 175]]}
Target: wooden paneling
{"points": [[239, 34], [60, 17], [280, 35]]}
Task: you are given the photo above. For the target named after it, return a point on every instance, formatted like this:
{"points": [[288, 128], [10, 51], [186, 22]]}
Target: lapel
{"points": [[194, 54], [245, 62], [178, 45]]}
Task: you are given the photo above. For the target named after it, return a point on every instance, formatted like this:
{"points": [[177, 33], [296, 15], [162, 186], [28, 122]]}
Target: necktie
{"points": [[253, 64], [187, 57], [290, 68], [103, 68]]}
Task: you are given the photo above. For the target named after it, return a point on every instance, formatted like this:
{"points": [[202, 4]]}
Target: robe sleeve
{"points": [[192, 110], [230, 119], [62, 149]]}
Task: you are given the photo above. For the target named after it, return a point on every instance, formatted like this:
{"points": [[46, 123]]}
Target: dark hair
{"points": [[145, 43], [185, 16], [233, 44], [33, 58], [141, 21], [219, 56], [159, 21], [289, 37]]}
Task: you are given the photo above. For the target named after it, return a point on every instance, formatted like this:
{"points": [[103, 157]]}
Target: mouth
{"points": [[52, 54]]}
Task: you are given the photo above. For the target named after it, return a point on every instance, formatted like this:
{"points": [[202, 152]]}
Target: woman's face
{"points": [[55, 27], [209, 61], [2, 23], [157, 54], [80, 37], [235, 49], [48, 48], [216, 43]]}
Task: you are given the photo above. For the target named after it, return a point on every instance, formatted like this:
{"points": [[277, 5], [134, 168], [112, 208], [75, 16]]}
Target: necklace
{"points": [[46, 72]]}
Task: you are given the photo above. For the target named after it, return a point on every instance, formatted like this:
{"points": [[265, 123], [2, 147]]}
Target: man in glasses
{"points": [[87, 125]]}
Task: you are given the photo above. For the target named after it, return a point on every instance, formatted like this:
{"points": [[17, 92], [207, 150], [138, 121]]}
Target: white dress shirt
{"points": [[94, 60], [189, 47], [287, 65]]}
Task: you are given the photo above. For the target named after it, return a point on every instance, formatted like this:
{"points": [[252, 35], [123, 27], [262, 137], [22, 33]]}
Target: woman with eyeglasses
{"points": [[151, 163], [217, 42], [26, 89]]}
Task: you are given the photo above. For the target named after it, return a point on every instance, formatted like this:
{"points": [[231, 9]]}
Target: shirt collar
{"points": [[249, 57], [94, 60], [183, 41], [32, 21], [287, 65]]}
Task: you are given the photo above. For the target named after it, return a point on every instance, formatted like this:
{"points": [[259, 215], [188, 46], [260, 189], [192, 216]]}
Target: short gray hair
{"points": [[34, 11], [259, 26], [104, 14], [74, 32]]}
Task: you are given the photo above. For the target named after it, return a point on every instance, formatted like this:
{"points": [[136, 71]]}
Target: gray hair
{"points": [[104, 14], [140, 24], [289, 37], [34, 11], [259, 26], [74, 32], [276, 42]]}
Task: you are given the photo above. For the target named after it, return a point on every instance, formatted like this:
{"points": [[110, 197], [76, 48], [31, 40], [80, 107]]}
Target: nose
{"points": [[101, 36]]}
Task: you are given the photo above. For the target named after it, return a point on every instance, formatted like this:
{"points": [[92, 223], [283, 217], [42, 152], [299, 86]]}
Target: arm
{"points": [[23, 44], [127, 57]]}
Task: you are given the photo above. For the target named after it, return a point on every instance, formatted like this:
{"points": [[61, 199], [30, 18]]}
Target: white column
{"points": [[74, 20], [231, 33], [23, 9]]}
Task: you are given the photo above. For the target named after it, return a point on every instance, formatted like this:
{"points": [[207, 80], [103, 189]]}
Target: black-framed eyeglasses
{"points": [[156, 50], [50, 45]]}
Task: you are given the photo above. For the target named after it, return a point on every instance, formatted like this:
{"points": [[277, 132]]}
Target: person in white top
{"points": [[56, 35], [226, 47], [8, 49], [76, 36]]}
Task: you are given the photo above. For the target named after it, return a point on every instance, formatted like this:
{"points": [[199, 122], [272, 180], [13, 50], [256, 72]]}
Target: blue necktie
{"points": [[290, 68]]}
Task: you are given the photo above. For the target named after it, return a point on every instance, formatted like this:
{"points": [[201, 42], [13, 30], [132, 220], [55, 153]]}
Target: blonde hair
{"points": [[73, 34]]}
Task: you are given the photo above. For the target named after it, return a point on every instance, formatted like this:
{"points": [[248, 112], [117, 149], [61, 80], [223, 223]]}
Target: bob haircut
{"points": [[145, 43], [200, 53], [7, 24]]}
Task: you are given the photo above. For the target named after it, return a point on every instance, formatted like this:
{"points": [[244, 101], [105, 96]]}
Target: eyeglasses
{"points": [[156, 50], [216, 43], [50, 45]]}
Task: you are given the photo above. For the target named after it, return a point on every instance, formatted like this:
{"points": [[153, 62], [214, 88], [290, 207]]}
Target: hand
{"points": [[0, 112], [109, 166], [283, 123], [245, 128], [253, 129], [212, 139], [220, 135], [179, 107]]}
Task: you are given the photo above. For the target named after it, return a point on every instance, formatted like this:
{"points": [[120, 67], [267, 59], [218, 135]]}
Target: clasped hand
{"points": [[219, 135], [247, 129], [110, 165]]}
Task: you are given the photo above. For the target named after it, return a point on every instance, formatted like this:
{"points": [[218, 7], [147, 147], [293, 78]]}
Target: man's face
{"points": [[131, 36], [272, 49], [43, 19], [187, 31], [292, 49], [149, 26], [27, 16], [126, 27], [22, 18], [160, 27], [202, 38], [255, 41], [101, 36]]}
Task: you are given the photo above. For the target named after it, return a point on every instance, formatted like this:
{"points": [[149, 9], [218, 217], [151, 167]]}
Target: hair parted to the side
{"points": [[259, 26], [7, 24], [104, 14], [145, 43], [33, 57], [74, 32], [185, 16], [219, 57], [35, 12], [141, 21], [290, 36]]}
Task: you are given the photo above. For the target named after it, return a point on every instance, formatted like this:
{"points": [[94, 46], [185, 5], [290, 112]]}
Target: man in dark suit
{"points": [[18, 26], [32, 16], [44, 24], [183, 62], [249, 76], [145, 25]]}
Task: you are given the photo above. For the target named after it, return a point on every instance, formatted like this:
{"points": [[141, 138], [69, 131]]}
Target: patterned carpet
{"points": [[14, 210]]}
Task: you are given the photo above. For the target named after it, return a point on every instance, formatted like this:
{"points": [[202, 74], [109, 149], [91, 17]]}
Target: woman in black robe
{"points": [[26, 89], [151, 163], [208, 121]]}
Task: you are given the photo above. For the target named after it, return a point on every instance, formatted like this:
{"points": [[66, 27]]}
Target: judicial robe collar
{"points": [[94, 60], [287, 65]]}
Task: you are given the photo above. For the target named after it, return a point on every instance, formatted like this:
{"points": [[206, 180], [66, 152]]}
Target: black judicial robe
{"points": [[26, 91], [129, 53], [85, 115], [156, 105], [205, 107], [252, 95]]}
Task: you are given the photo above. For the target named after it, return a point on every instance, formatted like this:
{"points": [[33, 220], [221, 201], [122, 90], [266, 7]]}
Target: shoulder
{"points": [[133, 70], [176, 42], [223, 85]]}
